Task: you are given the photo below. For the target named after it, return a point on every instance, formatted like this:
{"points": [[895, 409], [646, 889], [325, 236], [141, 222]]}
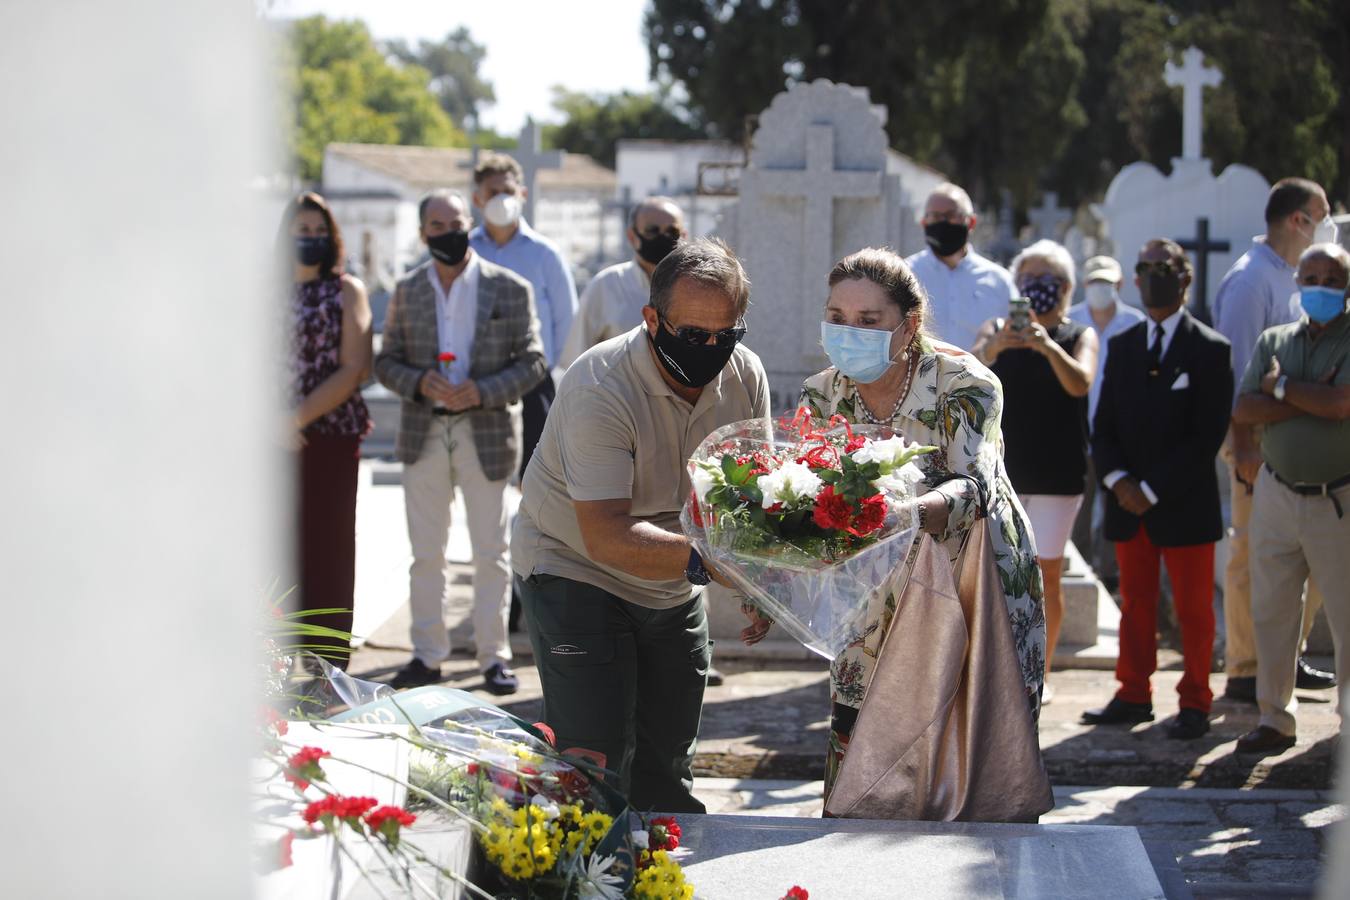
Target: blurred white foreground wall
{"points": [[141, 496]]}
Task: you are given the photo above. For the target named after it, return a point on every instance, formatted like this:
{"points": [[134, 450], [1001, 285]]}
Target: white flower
{"points": [[900, 482], [640, 840], [598, 882], [885, 452], [549, 808], [789, 484], [704, 478]]}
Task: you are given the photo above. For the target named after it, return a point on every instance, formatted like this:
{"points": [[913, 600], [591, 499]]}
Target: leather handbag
{"points": [[945, 731]]}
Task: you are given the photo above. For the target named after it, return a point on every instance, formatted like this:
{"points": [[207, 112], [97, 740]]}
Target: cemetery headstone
{"points": [[531, 156], [1049, 220], [814, 190], [1143, 203]]}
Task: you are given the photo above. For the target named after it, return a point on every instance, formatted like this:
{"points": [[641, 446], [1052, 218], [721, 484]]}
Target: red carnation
{"points": [[303, 767], [663, 833], [387, 820], [446, 357], [284, 850], [796, 893], [831, 510], [870, 517], [335, 806]]}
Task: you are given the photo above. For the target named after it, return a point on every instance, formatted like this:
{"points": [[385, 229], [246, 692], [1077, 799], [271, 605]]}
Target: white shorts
{"points": [[1051, 518]]}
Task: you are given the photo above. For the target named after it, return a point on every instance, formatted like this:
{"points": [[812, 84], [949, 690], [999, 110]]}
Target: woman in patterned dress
{"points": [[931, 393], [330, 358]]}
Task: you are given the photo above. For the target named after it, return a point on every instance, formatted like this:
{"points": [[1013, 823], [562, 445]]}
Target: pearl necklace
{"points": [[861, 406]]}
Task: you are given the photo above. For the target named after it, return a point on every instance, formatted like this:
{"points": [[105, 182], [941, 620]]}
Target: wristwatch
{"points": [[1280, 384], [695, 572]]}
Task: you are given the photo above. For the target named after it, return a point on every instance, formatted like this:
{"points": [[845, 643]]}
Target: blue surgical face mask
{"points": [[863, 354], [1322, 304]]}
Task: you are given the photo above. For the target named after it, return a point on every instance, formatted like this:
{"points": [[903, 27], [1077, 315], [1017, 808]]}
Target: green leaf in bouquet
{"points": [[829, 476]]}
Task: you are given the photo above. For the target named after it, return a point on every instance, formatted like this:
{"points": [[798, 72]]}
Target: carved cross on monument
{"points": [[532, 158], [1192, 76], [818, 185], [1202, 247], [1049, 216]]}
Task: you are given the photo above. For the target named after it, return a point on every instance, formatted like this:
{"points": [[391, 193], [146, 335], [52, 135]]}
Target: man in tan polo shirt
{"points": [[606, 578]]}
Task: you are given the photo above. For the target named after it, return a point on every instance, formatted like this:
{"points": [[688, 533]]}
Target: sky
{"points": [[584, 45]]}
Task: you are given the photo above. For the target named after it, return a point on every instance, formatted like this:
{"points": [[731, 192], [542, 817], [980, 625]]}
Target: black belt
{"points": [[1314, 490]]}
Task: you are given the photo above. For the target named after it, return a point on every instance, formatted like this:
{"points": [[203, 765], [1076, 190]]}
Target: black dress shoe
{"points": [[1119, 712], [1265, 741], [1310, 679], [415, 674], [1188, 725], [715, 678], [500, 680], [1241, 688]]}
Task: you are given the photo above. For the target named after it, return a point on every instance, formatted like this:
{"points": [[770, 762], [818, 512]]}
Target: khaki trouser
{"points": [[1239, 644], [1295, 537], [449, 460]]}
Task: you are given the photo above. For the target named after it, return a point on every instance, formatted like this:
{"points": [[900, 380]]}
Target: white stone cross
{"points": [[818, 185], [532, 158], [1047, 218], [1192, 76]]}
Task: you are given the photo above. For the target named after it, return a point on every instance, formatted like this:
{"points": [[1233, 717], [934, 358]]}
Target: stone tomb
{"points": [[816, 188], [1143, 203], [735, 857]]}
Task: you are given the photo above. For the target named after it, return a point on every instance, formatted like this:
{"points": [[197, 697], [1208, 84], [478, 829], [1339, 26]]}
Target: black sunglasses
{"points": [[697, 337], [1157, 267]]}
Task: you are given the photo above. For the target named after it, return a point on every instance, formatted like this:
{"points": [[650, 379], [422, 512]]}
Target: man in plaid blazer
{"points": [[461, 346]]}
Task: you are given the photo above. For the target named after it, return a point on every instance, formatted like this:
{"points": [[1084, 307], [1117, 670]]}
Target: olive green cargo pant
{"points": [[624, 681]]}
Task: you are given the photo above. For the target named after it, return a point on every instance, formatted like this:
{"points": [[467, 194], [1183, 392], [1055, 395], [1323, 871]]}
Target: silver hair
{"points": [[957, 195], [1334, 252], [708, 261], [656, 201], [1053, 253]]}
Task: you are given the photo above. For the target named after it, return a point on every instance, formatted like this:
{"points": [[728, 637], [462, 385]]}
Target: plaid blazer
{"points": [[508, 360]]}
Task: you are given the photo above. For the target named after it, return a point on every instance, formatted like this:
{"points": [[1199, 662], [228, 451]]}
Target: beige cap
{"points": [[1101, 268]]}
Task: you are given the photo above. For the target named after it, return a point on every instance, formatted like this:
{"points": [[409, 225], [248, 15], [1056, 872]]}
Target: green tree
{"points": [[346, 90], [1034, 94], [453, 64], [593, 122]]}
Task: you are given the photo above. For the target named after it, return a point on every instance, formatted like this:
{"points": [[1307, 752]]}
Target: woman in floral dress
{"points": [[886, 370], [330, 358]]}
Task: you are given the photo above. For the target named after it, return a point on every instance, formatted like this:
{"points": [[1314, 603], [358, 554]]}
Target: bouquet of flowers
{"points": [[811, 520]]}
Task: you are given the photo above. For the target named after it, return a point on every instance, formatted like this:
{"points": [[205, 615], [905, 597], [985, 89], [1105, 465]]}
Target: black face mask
{"points": [[691, 365], [312, 251], [449, 248], [1157, 290], [656, 248], [946, 238]]}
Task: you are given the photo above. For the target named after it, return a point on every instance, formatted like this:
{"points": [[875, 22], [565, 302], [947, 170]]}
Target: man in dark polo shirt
{"points": [[605, 575], [1297, 386]]}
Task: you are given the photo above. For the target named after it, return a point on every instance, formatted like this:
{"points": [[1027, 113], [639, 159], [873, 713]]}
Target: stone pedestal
{"points": [[735, 857]]}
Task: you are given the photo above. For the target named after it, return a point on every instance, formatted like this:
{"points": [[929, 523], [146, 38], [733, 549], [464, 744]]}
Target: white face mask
{"points": [[1100, 294], [503, 210], [1325, 232]]}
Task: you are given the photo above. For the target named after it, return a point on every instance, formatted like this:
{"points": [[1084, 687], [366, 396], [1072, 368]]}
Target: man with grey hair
{"points": [[461, 347], [612, 302], [1297, 385], [964, 288], [607, 579]]}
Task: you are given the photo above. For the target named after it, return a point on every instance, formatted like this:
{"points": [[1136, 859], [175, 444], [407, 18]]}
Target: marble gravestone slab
{"points": [[738, 857]]}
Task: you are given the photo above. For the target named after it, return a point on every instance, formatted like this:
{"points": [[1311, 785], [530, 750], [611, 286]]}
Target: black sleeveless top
{"points": [[1045, 431]]}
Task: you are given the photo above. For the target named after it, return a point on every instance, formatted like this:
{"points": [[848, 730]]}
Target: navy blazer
{"points": [[1166, 428]]}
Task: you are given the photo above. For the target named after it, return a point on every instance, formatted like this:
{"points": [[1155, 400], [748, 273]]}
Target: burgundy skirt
{"points": [[327, 540]]}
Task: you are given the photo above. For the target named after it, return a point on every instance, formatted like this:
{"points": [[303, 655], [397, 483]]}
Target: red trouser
{"points": [[1191, 569]]}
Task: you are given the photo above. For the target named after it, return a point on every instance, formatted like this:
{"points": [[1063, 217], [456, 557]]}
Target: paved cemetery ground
{"points": [[1228, 825]]}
